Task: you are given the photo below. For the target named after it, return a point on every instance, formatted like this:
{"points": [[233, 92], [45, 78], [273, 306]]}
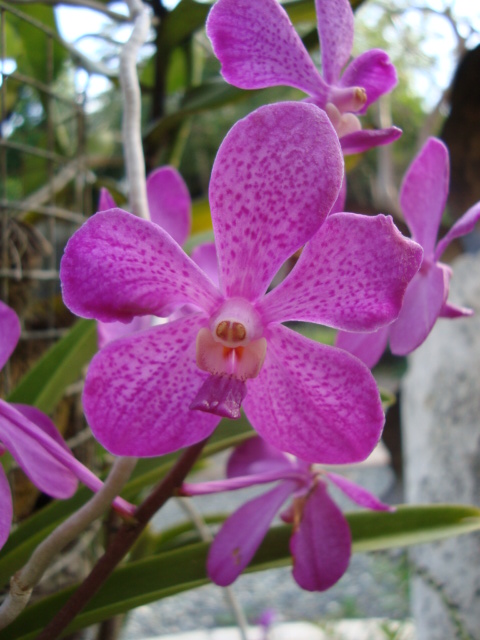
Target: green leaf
{"points": [[29, 47], [375, 530], [44, 385], [165, 574]]}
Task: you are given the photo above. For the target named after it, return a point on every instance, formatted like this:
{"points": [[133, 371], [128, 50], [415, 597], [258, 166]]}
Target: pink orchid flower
{"points": [[275, 178], [422, 198], [34, 442], [170, 207], [258, 47], [321, 541]]}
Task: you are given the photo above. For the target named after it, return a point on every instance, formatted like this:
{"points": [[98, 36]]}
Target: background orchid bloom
{"points": [[170, 207], [258, 47], [275, 178], [321, 541], [422, 198], [34, 442]]}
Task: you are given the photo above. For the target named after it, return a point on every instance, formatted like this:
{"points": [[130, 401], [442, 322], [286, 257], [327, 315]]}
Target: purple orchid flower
{"points": [[422, 198], [274, 180], [258, 47], [34, 442], [321, 541], [170, 207]]}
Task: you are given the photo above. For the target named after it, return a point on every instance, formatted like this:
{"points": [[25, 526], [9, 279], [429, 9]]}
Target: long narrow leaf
{"points": [[165, 574], [44, 385]]}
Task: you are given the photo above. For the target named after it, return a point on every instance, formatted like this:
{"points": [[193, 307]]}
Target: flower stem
{"points": [[23, 582], [131, 126], [122, 543]]}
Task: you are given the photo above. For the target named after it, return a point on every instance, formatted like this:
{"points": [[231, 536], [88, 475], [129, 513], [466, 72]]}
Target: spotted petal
{"points": [[424, 193], [138, 390], [276, 176], [258, 47], [10, 330], [369, 347], [335, 29], [422, 306], [321, 546], [352, 275], [169, 202], [117, 266], [372, 71], [241, 535], [315, 401], [6, 508]]}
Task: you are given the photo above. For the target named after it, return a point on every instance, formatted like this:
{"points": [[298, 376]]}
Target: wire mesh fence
{"points": [[45, 185]]}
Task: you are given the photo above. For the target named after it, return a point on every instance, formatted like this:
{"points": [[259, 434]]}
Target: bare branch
{"points": [[23, 582], [132, 122]]}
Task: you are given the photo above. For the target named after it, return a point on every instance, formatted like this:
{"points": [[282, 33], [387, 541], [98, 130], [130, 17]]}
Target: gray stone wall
{"points": [[441, 431]]}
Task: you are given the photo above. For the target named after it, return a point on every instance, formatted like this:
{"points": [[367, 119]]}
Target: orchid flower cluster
{"points": [[188, 340]]}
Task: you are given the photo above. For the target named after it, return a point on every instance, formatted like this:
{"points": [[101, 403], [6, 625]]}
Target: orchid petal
{"points": [[241, 534], [10, 327], [117, 266], [275, 178], [464, 225], [23, 439], [258, 47], [339, 204], [42, 421], [315, 401], [138, 390], [372, 71], [452, 311], [358, 494], [257, 456], [360, 141], [335, 29], [243, 482], [105, 201], [369, 347], [169, 202], [321, 546], [422, 306], [222, 396], [352, 275], [424, 193], [6, 508], [110, 331], [205, 255]]}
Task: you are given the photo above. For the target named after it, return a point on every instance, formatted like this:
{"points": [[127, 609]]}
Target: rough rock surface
{"points": [[441, 427]]}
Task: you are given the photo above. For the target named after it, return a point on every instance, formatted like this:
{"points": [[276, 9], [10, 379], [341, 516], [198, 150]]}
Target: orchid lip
{"points": [[220, 395], [232, 345]]}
